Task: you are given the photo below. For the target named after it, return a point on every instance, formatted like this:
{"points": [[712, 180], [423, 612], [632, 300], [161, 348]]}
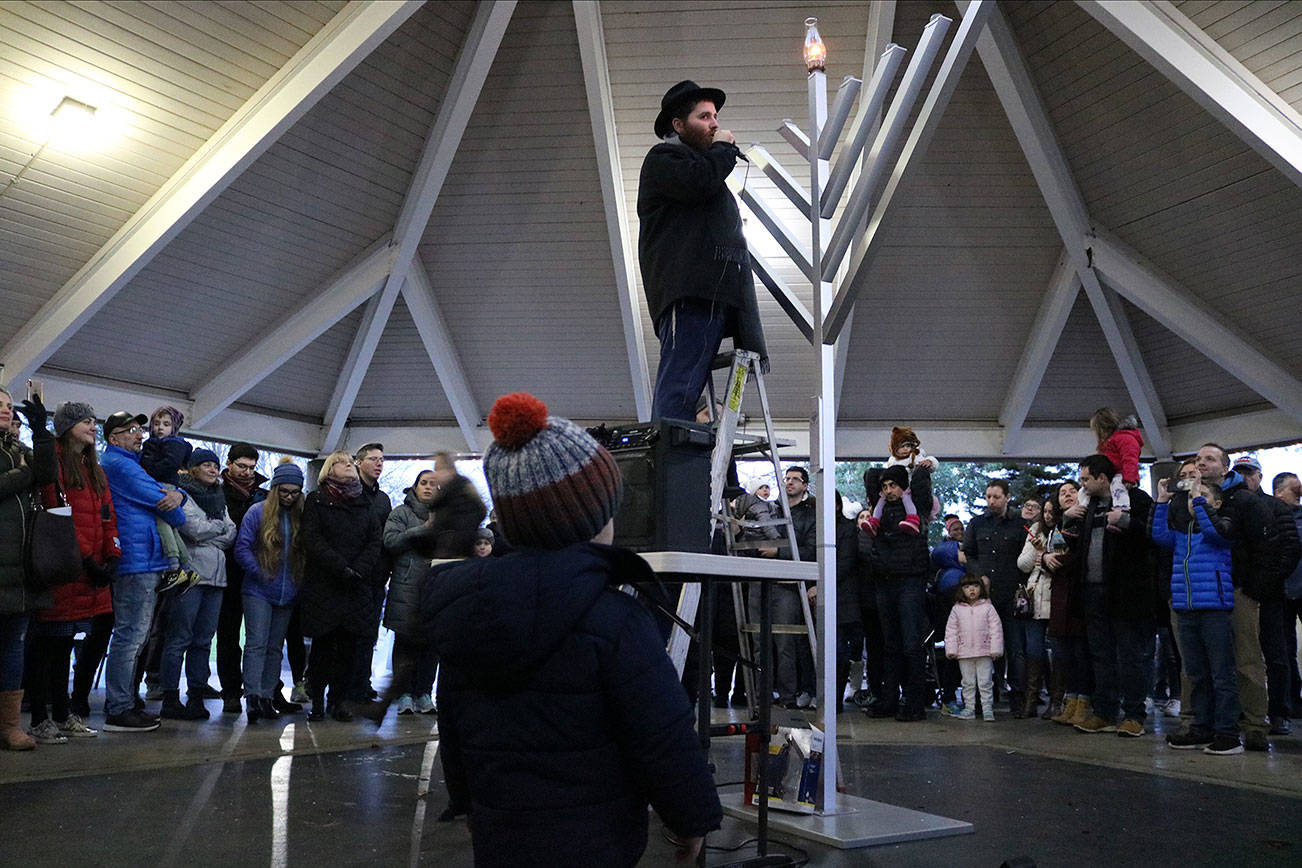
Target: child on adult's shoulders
{"points": [[906, 452]]}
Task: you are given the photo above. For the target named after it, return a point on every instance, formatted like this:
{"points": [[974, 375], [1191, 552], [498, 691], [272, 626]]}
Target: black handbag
{"points": [[53, 553]]}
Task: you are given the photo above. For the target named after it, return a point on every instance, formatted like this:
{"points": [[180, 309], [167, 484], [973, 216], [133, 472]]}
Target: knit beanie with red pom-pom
{"points": [[552, 484]]}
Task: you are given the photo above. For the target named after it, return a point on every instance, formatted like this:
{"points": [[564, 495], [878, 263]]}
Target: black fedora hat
{"points": [[679, 94]]}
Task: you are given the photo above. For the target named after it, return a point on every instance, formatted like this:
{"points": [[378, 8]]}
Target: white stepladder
{"points": [[742, 364]]}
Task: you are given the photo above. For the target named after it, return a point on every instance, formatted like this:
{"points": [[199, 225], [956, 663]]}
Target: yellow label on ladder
{"points": [[738, 386]]}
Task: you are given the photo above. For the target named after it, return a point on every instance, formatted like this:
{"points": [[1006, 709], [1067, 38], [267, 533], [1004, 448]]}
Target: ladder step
{"points": [[797, 629]]}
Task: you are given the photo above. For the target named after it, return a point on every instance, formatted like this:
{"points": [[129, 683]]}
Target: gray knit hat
{"points": [[69, 413], [552, 484]]}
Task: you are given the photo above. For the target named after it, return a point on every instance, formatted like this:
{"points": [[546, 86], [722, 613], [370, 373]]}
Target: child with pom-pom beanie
{"points": [[550, 674]]}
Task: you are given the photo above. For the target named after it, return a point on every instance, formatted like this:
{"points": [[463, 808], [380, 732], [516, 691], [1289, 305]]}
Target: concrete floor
{"points": [[289, 793]]}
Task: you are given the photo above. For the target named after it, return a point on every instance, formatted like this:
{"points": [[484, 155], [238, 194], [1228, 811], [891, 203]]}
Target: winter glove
{"points": [[35, 413]]}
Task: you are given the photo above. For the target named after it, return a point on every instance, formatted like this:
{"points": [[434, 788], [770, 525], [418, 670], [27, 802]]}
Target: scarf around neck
{"points": [[342, 492]]}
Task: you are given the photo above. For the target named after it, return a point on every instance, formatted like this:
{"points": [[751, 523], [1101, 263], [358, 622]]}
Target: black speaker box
{"points": [[666, 468]]}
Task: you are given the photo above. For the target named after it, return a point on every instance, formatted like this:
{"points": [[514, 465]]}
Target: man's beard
{"points": [[699, 141]]}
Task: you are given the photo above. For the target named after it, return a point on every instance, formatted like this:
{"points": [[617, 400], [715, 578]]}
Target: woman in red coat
{"points": [[81, 606]]}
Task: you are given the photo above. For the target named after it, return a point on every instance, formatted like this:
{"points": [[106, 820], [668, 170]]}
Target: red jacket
{"points": [[97, 533], [1122, 449]]}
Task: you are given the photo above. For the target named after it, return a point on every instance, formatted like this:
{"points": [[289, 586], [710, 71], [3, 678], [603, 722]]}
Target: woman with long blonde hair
{"points": [[270, 549]]}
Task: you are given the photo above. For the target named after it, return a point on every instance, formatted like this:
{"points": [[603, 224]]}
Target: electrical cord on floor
{"points": [[798, 855]]}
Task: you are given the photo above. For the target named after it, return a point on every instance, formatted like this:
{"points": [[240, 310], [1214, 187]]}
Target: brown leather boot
{"points": [[1068, 712], [1057, 681], [1034, 679], [12, 736]]}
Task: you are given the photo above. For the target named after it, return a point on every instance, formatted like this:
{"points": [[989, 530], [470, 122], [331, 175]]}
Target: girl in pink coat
{"points": [[974, 637]]}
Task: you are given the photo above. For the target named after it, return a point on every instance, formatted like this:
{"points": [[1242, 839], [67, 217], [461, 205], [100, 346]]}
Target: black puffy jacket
{"points": [[559, 710], [895, 553], [342, 542], [22, 473]]}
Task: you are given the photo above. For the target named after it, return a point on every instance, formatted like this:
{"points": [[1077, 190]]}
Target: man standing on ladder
{"points": [[695, 265]]}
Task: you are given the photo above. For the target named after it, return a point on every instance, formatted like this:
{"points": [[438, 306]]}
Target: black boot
{"points": [[251, 708], [283, 705], [194, 706], [172, 708], [265, 709], [318, 712]]}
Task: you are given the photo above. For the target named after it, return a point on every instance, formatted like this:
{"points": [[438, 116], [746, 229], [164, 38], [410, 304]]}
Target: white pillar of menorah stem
{"points": [[822, 443]]}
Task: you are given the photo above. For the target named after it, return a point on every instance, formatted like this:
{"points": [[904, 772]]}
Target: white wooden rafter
{"points": [[468, 76], [924, 127], [320, 64], [418, 293], [1193, 61], [331, 438], [1130, 362], [337, 298], [1038, 350], [1176, 308], [596, 82], [1027, 116]]}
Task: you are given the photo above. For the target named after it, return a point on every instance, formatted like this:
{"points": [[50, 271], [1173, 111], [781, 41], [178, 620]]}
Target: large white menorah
{"points": [[822, 257]]}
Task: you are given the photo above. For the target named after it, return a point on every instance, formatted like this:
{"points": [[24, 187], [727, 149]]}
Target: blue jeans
{"points": [[264, 636], [191, 623], [902, 607], [13, 635], [1207, 640], [690, 332], [133, 610], [1034, 630], [1122, 654]]}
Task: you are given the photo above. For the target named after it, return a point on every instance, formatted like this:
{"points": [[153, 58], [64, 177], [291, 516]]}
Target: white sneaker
{"points": [[404, 704], [46, 732], [424, 704], [75, 727], [804, 700], [1171, 708]]}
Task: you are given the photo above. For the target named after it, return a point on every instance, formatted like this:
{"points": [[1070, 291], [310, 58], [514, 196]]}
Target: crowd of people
{"points": [[179, 552], [1091, 604]]}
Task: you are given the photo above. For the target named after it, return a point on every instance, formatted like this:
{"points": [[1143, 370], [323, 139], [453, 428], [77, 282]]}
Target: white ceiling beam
{"points": [[418, 292], [1002, 59], [1021, 102], [334, 427], [881, 28], [468, 76], [317, 67], [601, 111], [1166, 38], [928, 120], [1179, 310], [339, 297], [1130, 362], [959, 441], [1038, 350]]}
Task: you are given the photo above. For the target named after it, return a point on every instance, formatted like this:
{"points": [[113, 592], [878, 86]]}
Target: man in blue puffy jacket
{"points": [[139, 501]]}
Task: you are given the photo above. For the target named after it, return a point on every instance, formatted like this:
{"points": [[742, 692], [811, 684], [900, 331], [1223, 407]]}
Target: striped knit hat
{"points": [[552, 484]]}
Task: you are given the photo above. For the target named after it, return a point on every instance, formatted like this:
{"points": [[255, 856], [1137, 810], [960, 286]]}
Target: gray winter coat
{"points": [[208, 540], [410, 545]]}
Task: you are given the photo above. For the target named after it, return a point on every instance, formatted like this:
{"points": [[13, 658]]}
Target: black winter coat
{"points": [[559, 709], [690, 243], [342, 542], [22, 473], [898, 554], [236, 505], [992, 544], [804, 520], [847, 570], [1129, 565]]}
